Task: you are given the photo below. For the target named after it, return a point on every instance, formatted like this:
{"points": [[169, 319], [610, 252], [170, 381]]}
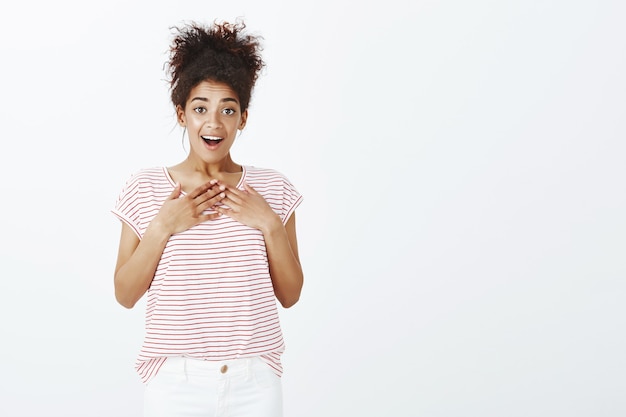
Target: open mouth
{"points": [[212, 140]]}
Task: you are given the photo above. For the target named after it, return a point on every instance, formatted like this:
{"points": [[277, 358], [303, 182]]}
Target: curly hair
{"points": [[221, 52]]}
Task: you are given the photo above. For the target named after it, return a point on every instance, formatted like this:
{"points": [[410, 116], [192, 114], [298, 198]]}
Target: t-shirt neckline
{"points": [[239, 184]]}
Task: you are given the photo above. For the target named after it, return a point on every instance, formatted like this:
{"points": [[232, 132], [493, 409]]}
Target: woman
{"points": [[212, 243]]}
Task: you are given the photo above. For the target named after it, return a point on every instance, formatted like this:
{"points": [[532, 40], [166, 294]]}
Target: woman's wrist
{"points": [[272, 226], [158, 230]]}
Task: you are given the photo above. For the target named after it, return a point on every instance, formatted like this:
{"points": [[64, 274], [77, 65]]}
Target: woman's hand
{"points": [[249, 207], [181, 213]]}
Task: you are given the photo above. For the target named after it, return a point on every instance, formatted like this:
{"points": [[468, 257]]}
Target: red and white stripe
{"points": [[211, 297]]}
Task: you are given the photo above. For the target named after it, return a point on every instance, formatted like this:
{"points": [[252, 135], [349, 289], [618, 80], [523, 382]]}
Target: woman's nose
{"points": [[212, 120]]}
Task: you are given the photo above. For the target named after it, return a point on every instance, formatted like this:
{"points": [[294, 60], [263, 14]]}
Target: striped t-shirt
{"points": [[211, 297]]}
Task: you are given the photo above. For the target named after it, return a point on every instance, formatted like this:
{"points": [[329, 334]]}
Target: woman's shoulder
{"points": [[150, 177], [149, 174], [269, 178], [261, 173]]}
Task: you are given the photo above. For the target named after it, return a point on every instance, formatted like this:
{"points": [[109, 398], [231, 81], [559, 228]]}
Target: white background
{"points": [[463, 232]]}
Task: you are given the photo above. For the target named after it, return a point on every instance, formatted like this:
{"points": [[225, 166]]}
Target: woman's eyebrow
{"points": [[224, 100]]}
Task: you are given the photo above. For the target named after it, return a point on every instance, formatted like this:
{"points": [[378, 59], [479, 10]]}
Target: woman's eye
{"points": [[228, 111], [199, 110]]}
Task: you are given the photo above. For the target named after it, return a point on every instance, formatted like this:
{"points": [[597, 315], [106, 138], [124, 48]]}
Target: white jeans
{"points": [[186, 387]]}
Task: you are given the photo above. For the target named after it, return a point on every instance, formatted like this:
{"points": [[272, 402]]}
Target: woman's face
{"points": [[212, 116]]}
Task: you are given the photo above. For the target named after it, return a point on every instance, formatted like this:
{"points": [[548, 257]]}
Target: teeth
{"points": [[211, 138]]}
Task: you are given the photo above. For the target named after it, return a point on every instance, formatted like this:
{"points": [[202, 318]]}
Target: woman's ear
{"points": [[244, 118], [180, 115]]}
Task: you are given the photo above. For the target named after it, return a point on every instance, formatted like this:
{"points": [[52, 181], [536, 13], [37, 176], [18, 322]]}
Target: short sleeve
{"points": [[291, 200], [126, 208]]}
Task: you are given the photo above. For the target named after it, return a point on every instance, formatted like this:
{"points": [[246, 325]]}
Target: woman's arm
{"points": [[282, 252], [137, 261]]}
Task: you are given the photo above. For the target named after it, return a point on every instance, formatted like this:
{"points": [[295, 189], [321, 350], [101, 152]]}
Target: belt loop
{"points": [[249, 371], [185, 369]]}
